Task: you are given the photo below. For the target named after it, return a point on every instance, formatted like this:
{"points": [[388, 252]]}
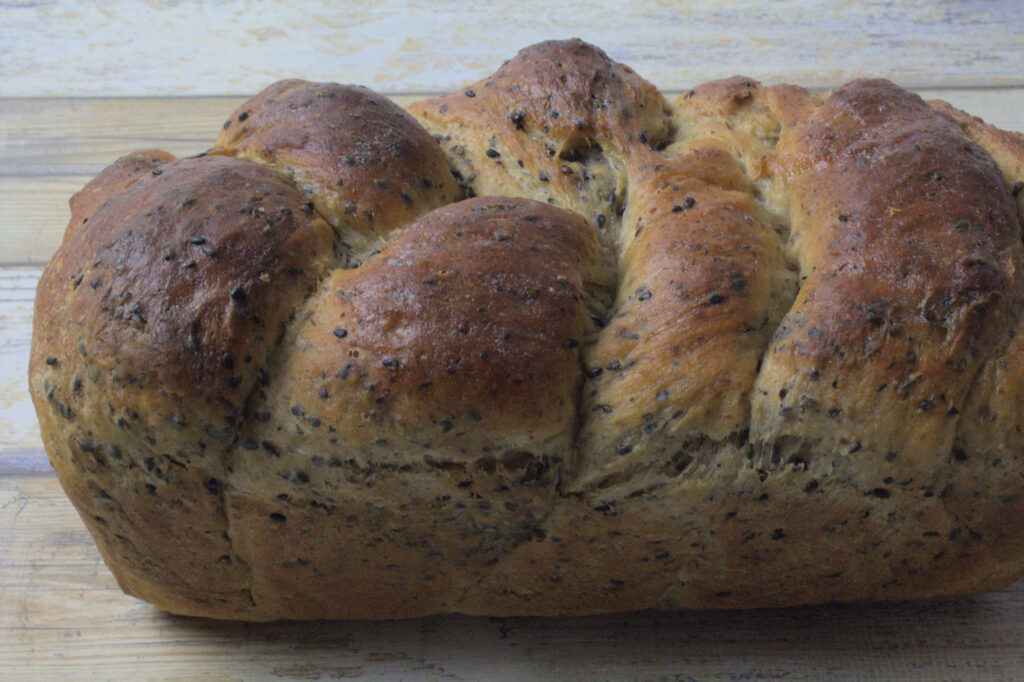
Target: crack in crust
{"points": [[757, 346]]}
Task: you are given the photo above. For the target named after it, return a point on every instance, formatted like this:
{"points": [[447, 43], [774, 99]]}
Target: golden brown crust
{"points": [[112, 180], [910, 244], [153, 324], [772, 353], [363, 161], [553, 124], [441, 375]]}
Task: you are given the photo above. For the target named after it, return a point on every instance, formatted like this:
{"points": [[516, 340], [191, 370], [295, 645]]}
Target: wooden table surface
{"points": [[83, 83]]}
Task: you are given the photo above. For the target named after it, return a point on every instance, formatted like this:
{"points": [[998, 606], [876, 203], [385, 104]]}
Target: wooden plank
{"points": [[49, 148], [62, 615], [20, 445], [235, 47]]}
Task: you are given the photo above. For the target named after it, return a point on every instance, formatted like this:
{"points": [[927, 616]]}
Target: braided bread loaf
{"points": [[756, 346]]}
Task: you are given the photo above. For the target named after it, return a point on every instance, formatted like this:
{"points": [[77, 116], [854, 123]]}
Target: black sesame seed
{"points": [[242, 116], [594, 372], [843, 217], [600, 220], [470, 93], [644, 296], [198, 241], [390, 363], [715, 299], [689, 202], [278, 517], [517, 117], [880, 493], [624, 449], [493, 153], [543, 177], [51, 361], [238, 295], [157, 171], [341, 333]]}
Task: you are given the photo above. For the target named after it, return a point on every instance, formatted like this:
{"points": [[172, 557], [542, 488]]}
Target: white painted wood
{"points": [[66, 47]]}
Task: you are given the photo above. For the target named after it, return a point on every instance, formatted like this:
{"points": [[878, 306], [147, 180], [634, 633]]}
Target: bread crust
{"points": [[757, 346]]}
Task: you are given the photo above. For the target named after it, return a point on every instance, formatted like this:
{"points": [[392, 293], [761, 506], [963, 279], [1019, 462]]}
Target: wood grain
{"points": [[62, 615], [236, 47]]}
